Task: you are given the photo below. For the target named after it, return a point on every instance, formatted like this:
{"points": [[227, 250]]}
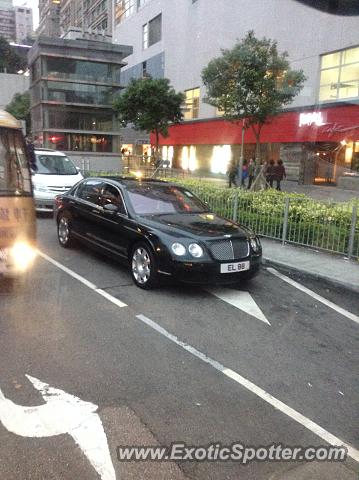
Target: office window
{"points": [[339, 75], [123, 9], [152, 32], [191, 104], [141, 3]]}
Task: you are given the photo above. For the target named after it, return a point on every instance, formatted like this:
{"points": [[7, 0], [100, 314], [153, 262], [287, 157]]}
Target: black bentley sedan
{"points": [[159, 229]]}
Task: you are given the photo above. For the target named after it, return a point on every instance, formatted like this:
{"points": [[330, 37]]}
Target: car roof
{"points": [[130, 181], [50, 151]]}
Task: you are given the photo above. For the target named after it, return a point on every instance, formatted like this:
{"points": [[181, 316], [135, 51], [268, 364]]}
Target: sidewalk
{"points": [[321, 265]]}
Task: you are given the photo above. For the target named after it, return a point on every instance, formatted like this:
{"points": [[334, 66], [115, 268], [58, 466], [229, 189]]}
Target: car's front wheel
{"points": [[144, 267], [64, 233]]}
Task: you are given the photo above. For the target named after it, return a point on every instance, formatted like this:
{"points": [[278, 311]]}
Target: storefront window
{"points": [[339, 77], [82, 143], [191, 104]]}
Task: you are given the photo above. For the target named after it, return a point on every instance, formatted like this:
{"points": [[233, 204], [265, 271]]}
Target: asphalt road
{"points": [[163, 382]]}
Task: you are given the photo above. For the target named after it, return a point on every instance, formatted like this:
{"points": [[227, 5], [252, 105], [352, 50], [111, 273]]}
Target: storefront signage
{"points": [[311, 118]]}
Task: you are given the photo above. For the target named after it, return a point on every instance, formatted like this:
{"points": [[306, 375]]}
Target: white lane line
{"points": [[83, 280], [241, 300], [267, 397], [314, 295]]}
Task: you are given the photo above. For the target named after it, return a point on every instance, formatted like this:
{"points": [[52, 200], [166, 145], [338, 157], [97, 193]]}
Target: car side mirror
{"points": [[110, 208], [78, 169]]}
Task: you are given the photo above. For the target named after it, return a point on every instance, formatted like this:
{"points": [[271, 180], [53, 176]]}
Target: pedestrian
{"points": [[244, 173], [31, 152], [251, 172], [269, 174], [232, 172], [279, 173]]}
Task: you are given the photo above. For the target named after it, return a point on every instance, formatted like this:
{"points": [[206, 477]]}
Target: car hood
{"points": [[56, 180], [204, 225]]}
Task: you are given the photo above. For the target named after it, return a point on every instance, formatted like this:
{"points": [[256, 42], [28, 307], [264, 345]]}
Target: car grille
{"points": [[230, 249], [58, 189]]}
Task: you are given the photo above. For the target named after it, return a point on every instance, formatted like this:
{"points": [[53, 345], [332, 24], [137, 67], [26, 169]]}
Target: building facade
{"points": [[7, 20], [316, 134], [49, 18], [23, 23], [89, 15], [73, 83]]}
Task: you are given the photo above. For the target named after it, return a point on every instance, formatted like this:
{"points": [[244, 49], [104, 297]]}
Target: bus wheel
{"points": [[64, 234]]}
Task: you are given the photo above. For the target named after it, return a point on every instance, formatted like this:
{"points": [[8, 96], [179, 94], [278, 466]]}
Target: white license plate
{"points": [[234, 267]]}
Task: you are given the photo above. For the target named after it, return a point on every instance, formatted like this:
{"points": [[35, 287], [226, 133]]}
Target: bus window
{"points": [[14, 172]]}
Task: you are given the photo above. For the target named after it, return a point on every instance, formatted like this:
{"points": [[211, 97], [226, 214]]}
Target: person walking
{"points": [[270, 172], [251, 172], [279, 173], [232, 172]]}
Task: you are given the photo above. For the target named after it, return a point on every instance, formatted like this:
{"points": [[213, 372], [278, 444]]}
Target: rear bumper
{"points": [[209, 273]]}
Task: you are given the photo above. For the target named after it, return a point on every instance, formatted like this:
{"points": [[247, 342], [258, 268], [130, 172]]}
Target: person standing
{"points": [[279, 173], [244, 173], [270, 172], [251, 172], [232, 172]]}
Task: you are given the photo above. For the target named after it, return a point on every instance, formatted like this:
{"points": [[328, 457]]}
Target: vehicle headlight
{"points": [[178, 249], [195, 250], [22, 255], [255, 244]]}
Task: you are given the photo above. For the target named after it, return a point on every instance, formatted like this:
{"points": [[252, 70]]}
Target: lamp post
{"points": [[241, 158]]}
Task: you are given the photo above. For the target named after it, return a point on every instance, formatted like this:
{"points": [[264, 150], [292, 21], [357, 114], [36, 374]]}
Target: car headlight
{"points": [[255, 244], [195, 250], [178, 249], [22, 255]]}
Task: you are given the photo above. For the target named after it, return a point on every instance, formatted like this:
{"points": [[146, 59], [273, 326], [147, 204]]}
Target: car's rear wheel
{"points": [[64, 233], [144, 267]]}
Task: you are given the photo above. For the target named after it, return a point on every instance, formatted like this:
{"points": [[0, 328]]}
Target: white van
{"points": [[55, 174]]}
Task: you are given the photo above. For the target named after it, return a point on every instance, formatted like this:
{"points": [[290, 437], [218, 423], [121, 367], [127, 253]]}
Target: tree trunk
{"points": [[257, 134]]}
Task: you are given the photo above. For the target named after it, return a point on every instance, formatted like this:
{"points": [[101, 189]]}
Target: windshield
{"points": [[163, 199], [14, 170], [54, 165]]}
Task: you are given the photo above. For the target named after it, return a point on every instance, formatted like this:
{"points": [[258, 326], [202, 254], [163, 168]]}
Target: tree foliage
{"points": [[251, 81], [19, 107], [10, 61], [150, 105]]}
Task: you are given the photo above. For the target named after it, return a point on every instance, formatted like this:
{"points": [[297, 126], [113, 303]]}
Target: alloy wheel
{"points": [[141, 265]]}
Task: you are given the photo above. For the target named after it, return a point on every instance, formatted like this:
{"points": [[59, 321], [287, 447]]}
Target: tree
{"points": [[150, 105], [251, 82], [19, 107], [10, 61]]}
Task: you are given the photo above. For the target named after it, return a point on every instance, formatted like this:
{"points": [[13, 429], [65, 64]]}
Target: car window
{"points": [[90, 191], [54, 165], [112, 195]]}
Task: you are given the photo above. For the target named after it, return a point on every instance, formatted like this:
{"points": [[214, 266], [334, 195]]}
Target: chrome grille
{"points": [[58, 189], [230, 249]]}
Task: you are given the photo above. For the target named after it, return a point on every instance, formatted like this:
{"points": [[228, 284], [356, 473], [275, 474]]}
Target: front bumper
{"points": [[44, 202], [208, 273]]}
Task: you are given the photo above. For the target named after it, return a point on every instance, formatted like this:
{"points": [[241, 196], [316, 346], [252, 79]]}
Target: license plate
{"points": [[234, 267]]}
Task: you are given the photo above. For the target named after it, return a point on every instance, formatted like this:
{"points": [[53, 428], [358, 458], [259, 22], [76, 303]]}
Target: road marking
{"points": [[242, 300], [83, 280], [62, 413], [267, 397], [314, 295]]}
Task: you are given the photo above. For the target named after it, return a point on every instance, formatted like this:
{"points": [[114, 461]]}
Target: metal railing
{"points": [[328, 226]]}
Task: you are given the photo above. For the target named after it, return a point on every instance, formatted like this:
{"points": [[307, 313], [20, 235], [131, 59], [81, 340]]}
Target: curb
{"points": [[313, 275]]}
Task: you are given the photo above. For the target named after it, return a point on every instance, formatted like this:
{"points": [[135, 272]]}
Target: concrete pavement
{"points": [[331, 268]]}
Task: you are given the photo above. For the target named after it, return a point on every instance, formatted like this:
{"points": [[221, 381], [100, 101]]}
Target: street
{"points": [[152, 363]]}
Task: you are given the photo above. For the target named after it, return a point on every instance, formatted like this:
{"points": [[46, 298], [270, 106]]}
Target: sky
{"points": [[34, 4]]}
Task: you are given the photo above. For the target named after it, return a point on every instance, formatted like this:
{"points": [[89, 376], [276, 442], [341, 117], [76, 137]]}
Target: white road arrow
{"points": [[241, 300], [62, 413]]}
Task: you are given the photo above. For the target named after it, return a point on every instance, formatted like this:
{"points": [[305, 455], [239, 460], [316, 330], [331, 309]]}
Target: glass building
{"points": [[73, 84]]}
